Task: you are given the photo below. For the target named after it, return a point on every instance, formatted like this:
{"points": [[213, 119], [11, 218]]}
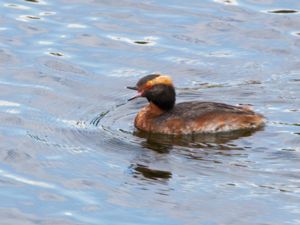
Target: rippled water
{"points": [[69, 151]]}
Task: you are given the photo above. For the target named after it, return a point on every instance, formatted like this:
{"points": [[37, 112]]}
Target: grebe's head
{"points": [[158, 89]]}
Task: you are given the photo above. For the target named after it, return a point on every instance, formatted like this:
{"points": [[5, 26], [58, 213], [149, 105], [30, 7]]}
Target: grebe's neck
{"points": [[154, 110]]}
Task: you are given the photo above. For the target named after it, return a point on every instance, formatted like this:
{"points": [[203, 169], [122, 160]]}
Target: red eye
{"points": [[147, 86]]}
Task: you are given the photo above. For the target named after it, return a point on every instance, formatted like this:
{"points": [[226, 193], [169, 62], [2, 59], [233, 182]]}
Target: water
{"points": [[69, 151]]}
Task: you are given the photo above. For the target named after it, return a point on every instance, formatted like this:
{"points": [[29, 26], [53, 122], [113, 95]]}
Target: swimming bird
{"points": [[163, 116]]}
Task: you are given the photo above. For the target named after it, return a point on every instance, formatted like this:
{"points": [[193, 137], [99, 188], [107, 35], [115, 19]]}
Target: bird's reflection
{"points": [[148, 173], [164, 143], [204, 147]]}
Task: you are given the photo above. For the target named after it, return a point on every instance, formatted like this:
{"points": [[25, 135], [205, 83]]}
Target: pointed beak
{"points": [[132, 88], [137, 96], [134, 97]]}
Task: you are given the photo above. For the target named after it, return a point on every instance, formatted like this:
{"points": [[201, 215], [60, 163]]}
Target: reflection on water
{"points": [[69, 151], [151, 173], [161, 143]]}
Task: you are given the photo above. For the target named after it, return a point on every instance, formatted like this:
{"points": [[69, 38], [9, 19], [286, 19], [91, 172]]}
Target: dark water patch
{"points": [[148, 41], [56, 53], [33, 17], [239, 165], [283, 11], [153, 174], [287, 124], [28, 18], [277, 188], [34, 1], [227, 2], [141, 42]]}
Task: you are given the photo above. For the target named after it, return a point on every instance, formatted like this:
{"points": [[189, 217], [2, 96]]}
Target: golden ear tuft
{"points": [[163, 79]]}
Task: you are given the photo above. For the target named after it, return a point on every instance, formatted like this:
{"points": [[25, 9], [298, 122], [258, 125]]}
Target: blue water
{"points": [[69, 150]]}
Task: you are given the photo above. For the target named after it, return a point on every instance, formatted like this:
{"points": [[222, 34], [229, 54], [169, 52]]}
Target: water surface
{"points": [[69, 151]]}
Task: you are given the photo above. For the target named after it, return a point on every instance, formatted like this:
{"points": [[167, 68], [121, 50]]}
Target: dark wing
{"points": [[193, 110]]}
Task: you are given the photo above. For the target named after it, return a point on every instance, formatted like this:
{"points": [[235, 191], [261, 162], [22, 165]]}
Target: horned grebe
{"points": [[161, 115]]}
